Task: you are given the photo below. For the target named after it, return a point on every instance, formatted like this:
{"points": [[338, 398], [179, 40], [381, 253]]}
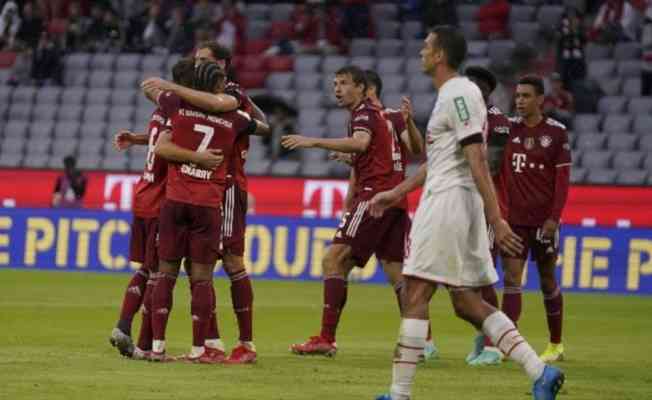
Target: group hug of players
{"points": [[191, 203]]}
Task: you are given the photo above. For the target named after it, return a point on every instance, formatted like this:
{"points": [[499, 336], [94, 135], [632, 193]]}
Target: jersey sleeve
{"points": [[399, 123], [563, 156], [363, 121], [244, 124], [169, 103], [468, 115]]}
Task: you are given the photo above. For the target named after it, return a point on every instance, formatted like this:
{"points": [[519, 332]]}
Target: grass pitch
{"points": [[54, 328]]}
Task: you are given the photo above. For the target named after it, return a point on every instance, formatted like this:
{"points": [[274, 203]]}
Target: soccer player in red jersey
{"points": [[235, 200], [190, 220], [148, 195], [359, 235], [497, 134], [537, 172]]}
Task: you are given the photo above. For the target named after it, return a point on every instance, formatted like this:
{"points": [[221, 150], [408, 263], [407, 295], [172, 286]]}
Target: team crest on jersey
{"points": [[545, 141], [529, 143]]}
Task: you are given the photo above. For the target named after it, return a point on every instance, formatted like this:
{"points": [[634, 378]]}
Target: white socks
{"points": [[411, 341], [506, 337], [214, 344], [196, 351], [158, 346]]}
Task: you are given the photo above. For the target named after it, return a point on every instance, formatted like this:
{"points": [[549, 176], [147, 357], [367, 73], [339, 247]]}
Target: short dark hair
{"points": [[482, 74], [452, 41], [535, 81], [69, 162], [356, 73], [218, 51], [207, 76], [373, 79], [183, 72]]}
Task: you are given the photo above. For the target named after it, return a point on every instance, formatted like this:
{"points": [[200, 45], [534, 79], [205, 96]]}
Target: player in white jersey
{"points": [[448, 241]]}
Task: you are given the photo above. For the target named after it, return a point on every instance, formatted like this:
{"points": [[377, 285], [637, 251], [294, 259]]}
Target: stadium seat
{"points": [[311, 117], [392, 99], [308, 81], [41, 130], [257, 167], [594, 51], [19, 112], [98, 96], [257, 29], [526, 32], [629, 69], [123, 97], [549, 16], [521, 13], [612, 104], [632, 177], [627, 51], [313, 170], [645, 143], [313, 156], [289, 95], [362, 47], [128, 62], [279, 80], [311, 99], [256, 46], [38, 145], [67, 129], [251, 80], [11, 160], [307, 64], [364, 62], [611, 87], [647, 162], [411, 30], [601, 176], [628, 159], [393, 82], [252, 63], [280, 30], [470, 30], [467, 12], [258, 11], [622, 142], [23, 95], [126, 80], [122, 114], [100, 79], [114, 163], [617, 123], [479, 62], [73, 96], [16, 129], [77, 61], [136, 164], [388, 30], [338, 170], [13, 144], [286, 167], [601, 69], [500, 50], [336, 121], [103, 61], [411, 48], [577, 175], [478, 48], [413, 66], [63, 147], [333, 63], [49, 95], [281, 11], [316, 131], [390, 48], [45, 112], [384, 11], [95, 113], [423, 104], [88, 162], [89, 130], [632, 87], [76, 78], [596, 159], [590, 141], [419, 84], [642, 124], [36, 160], [389, 65], [640, 105], [152, 62]]}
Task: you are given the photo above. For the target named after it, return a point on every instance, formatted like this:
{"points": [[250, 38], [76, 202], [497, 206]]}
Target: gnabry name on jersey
{"points": [[191, 170]]}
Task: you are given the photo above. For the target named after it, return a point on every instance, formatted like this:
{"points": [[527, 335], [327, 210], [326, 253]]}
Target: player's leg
{"points": [[512, 291], [468, 305], [162, 301], [202, 306], [144, 347], [545, 253]]}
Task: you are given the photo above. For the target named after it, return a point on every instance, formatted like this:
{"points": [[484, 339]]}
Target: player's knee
{"points": [[233, 264]]}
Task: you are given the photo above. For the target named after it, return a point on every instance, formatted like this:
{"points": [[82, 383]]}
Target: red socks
{"points": [[213, 331], [133, 299], [554, 304], [512, 302], [202, 306], [145, 336], [162, 304], [242, 297], [335, 293]]}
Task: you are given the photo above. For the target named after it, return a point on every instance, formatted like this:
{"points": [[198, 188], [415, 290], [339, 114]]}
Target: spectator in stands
{"points": [[78, 25], [571, 62], [281, 118], [153, 32], [179, 32], [70, 187], [31, 27], [559, 103], [356, 19], [646, 44], [617, 20], [230, 28], [46, 61], [493, 19], [203, 14], [439, 12], [103, 30], [9, 25], [305, 27]]}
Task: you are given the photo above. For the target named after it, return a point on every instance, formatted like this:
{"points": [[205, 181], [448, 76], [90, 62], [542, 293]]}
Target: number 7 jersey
{"points": [[193, 129]]}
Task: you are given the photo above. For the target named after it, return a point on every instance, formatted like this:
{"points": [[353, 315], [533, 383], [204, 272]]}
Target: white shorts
{"points": [[449, 242]]}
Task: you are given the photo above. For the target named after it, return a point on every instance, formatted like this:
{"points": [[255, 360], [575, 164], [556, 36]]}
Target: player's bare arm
{"points": [[358, 143], [476, 156], [411, 137], [209, 159], [125, 139], [262, 128], [257, 113], [384, 200], [220, 102]]}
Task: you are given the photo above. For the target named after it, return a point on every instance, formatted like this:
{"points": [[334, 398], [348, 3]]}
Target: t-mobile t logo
{"points": [[323, 205], [518, 161]]}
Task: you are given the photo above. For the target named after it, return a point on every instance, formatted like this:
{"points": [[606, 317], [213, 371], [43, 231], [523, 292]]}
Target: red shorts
{"points": [[234, 220], [187, 230], [541, 249], [384, 236], [143, 245]]}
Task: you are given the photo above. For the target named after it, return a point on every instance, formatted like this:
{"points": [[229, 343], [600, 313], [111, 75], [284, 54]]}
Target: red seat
{"points": [[281, 30], [7, 59], [280, 64], [58, 26], [252, 80], [255, 46], [253, 64]]}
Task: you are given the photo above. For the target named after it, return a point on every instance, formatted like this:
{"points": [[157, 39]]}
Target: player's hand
{"points": [[406, 108], [123, 140], [340, 157], [209, 159], [156, 83], [549, 228], [382, 201], [508, 241], [292, 142]]}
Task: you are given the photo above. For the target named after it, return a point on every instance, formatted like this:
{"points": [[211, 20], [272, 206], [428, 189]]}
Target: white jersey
{"points": [[460, 112]]}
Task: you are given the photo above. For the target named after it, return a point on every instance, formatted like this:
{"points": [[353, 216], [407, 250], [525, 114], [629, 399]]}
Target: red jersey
{"points": [[374, 169], [195, 130], [537, 171], [150, 189], [236, 171], [498, 125], [397, 126]]}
